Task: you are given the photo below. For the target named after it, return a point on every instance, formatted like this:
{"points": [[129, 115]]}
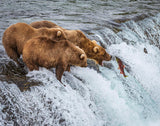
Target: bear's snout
{"points": [[108, 57], [84, 65]]}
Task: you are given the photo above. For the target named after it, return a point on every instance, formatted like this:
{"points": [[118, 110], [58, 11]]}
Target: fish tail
{"points": [[125, 76]]}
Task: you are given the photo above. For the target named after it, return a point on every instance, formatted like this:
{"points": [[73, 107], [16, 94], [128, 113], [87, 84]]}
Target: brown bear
{"points": [[46, 24], [16, 35], [91, 48], [44, 52]]}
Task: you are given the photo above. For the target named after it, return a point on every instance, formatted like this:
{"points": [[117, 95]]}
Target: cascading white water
{"points": [[93, 98]]}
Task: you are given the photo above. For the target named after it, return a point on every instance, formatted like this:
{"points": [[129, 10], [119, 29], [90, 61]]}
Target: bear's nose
{"points": [[85, 64]]}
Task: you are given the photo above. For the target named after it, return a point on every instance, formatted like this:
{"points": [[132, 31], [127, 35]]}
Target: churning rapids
{"points": [[96, 95]]}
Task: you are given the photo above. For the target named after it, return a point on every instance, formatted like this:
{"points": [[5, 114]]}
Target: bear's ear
{"points": [[95, 49], [77, 47], [82, 56], [59, 33], [94, 41]]}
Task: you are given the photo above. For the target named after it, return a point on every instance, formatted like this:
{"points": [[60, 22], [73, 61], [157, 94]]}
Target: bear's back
{"points": [[47, 43], [46, 24]]}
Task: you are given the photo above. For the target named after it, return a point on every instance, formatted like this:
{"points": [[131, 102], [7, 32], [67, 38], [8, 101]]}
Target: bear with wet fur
{"points": [[77, 37], [16, 36], [44, 52], [46, 24]]}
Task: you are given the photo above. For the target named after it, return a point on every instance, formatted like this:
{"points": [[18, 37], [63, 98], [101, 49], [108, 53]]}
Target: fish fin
{"points": [[121, 72], [125, 76], [123, 66], [118, 68]]}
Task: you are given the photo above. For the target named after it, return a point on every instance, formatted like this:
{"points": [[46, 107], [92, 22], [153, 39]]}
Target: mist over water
{"points": [[127, 29]]}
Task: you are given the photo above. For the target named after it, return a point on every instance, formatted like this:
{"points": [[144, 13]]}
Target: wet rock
{"points": [[93, 65], [140, 17], [145, 51], [108, 65], [11, 73], [116, 30], [62, 121], [123, 20]]}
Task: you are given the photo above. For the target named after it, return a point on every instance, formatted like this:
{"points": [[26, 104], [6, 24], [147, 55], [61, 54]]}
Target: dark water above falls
{"points": [[129, 29]]}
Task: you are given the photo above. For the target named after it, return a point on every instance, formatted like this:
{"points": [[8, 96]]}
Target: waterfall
{"points": [[95, 98]]}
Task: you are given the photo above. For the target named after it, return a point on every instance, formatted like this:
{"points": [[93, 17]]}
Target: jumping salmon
{"points": [[121, 66]]}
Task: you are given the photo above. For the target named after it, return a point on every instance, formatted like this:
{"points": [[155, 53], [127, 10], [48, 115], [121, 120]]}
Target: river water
{"points": [[128, 29]]}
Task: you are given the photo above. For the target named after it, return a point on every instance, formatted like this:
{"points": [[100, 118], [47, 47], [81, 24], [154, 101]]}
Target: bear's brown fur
{"points": [[46, 24], [91, 48], [44, 52], [16, 35]]}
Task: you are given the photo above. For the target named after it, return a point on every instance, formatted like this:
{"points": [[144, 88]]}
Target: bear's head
{"points": [[76, 55], [100, 53], [92, 49], [81, 59]]}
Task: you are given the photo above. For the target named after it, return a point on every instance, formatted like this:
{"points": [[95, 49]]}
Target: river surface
{"points": [[96, 95]]}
